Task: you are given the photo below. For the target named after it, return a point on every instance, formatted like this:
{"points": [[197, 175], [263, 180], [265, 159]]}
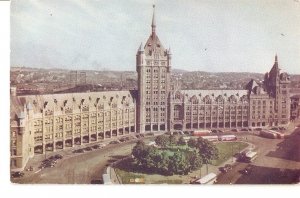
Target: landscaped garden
{"points": [[172, 158]]}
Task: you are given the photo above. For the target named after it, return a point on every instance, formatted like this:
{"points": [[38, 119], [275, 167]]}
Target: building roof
{"points": [[214, 93], [21, 115], [74, 101], [153, 44]]}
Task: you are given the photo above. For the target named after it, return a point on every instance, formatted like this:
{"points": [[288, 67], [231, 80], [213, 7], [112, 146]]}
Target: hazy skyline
{"points": [[218, 36]]}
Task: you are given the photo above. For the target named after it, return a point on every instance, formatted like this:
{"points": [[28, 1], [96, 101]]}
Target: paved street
{"points": [[77, 168], [278, 161], [274, 156]]}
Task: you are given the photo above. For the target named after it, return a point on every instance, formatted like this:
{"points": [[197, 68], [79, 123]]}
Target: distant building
{"points": [[77, 78], [45, 123], [295, 107], [73, 77]]}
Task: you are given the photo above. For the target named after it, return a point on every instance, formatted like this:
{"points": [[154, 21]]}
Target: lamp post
{"points": [[232, 152]]}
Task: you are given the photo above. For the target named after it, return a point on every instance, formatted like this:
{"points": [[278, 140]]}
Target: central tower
{"points": [[153, 65]]}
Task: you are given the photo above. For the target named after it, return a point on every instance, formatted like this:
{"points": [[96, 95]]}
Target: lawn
{"points": [[129, 173], [130, 177], [172, 149], [227, 150]]}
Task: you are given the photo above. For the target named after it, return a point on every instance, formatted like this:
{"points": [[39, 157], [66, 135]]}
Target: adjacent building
{"points": [[45, 123]]}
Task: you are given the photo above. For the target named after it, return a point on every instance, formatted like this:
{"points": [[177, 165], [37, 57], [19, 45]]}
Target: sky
{"points": [[204, 35]]}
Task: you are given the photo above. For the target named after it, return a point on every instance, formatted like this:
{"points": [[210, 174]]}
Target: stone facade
{"points": [[41, 123], [153, 65]]}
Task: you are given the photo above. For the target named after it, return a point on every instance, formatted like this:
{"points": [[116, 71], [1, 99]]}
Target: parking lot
{"points": [[78, 165]]}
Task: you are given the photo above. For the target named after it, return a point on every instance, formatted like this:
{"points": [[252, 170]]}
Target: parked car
{"points": [[88, 148], [244, 130], [58, 156], [282, 128], [226, 168], [114, 142], [247, 170], [17, 174], [29, 169], [46, 161], [49, 165], [52, 158], [234, 130], [96, 146], [78, 151], [275, 128], [214, 131], [127, 138]]}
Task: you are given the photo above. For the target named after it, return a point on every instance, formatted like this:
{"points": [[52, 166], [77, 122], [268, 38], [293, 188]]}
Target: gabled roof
{"points": [[153, 45], [251, 85]]}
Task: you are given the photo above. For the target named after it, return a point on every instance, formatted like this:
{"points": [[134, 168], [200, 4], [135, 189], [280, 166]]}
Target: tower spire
{"points": [[153, 25], [140, 48], [276, 58]]}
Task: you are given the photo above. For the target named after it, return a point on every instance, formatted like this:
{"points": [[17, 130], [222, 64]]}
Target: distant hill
{"points": [[110, 80]]}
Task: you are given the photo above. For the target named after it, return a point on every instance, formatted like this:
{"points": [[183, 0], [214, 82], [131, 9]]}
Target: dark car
{"points": [[49, 165], [226, 168], [58, 156], [17, 174], [46, 161], [246, 171], [52, 158], [234, 130], [275, 128], [214, 131], [114, 142], [78, 151], [127, 138], [282, 128], [87, 148], [244, 130], [96, 146]]}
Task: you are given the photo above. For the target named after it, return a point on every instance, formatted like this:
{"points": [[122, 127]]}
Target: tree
{"points": [[152, 157], [194, 159], [163, 163], [208, 151], [178, 163], [181, 141], [192, 143], [162, 141], [172, 139], [138, 151]]}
